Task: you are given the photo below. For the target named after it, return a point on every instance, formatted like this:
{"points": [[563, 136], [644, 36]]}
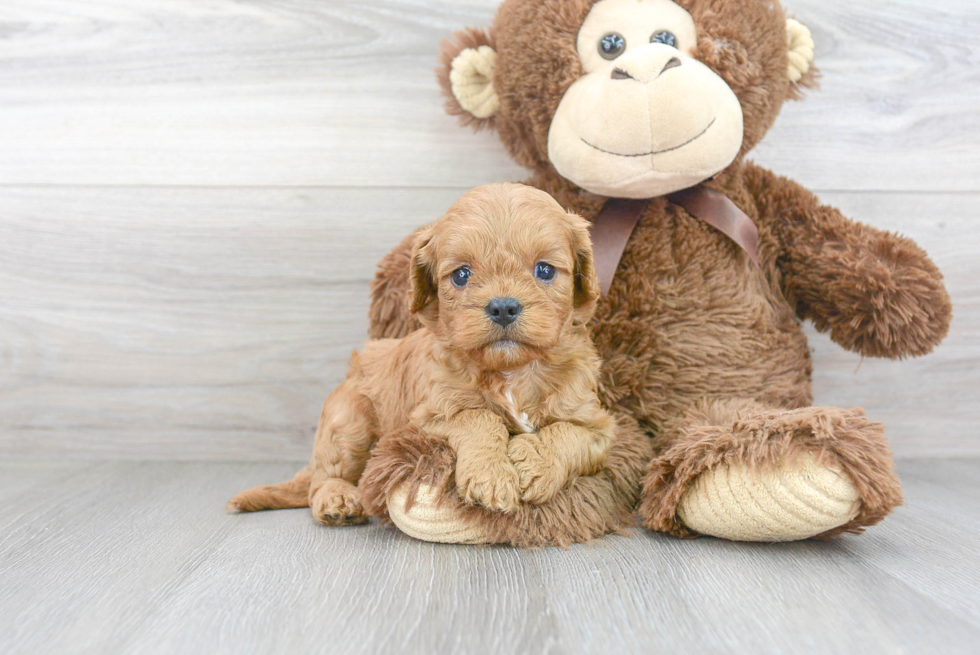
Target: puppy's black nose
{"points": [[504, 311]]}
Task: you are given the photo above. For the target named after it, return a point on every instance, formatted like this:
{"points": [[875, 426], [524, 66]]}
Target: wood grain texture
{"points": [[211, 323], [192, 197], [140, 558], [305, 92]]}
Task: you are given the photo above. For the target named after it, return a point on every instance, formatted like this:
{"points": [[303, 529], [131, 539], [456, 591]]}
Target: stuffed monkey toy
{"points": [[638, 115]]}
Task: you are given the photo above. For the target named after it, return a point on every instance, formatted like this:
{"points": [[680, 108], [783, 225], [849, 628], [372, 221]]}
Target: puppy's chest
{"points": [[519, 413]]}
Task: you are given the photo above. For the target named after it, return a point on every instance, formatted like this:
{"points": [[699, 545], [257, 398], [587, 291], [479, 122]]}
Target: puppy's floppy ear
{"points": [[424, 287], [587, 290], [465, 72]]}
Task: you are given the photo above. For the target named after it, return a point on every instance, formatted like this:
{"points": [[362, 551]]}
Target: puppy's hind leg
{"points": [[337, 502], [343, 443]]}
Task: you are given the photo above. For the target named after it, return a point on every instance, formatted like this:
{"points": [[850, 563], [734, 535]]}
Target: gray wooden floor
{"points": [[131, 557]]}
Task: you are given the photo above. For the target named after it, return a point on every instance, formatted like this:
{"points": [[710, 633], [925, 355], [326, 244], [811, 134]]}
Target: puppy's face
{"points": [[503, 275]]}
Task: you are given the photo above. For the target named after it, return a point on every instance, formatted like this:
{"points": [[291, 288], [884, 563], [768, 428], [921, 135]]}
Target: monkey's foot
{"points": [[738, 470], [429, 521], [787, 503]]}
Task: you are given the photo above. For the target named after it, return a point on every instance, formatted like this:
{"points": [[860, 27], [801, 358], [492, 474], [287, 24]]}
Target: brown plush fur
{"points": [[690, 323], [588, 507], [735, 431], [507, 418]]}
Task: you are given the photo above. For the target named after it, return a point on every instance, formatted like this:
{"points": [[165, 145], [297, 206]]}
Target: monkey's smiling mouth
{"points": [[654, 152]]}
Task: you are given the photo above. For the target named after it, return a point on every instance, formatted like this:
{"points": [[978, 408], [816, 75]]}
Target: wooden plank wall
{"points": [[193, 195]]}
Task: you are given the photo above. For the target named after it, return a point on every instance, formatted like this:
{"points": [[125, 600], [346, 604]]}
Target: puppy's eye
{"points": [[544, 271], [665, 37], [611, 45], [461, 276]]}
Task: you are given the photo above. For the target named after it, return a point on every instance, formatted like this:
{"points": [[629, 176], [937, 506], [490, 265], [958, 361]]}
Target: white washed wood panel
{"points": [[206, 323], [210, 323], [341, 92]]}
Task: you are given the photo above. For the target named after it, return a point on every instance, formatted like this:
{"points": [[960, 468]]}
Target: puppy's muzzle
{"points": [[504, 311]]}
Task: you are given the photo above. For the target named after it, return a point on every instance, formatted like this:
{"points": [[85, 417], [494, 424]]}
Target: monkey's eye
{"points": [[611, 45], [544, 271], [665, 37], [460, 276]]}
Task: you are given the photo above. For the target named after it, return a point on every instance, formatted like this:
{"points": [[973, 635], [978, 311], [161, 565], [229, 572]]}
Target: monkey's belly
{"points": [[685, 343]]}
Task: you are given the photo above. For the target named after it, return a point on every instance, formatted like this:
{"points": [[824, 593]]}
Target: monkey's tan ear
{"points": [[800, 46], [424, 288], [466, 64]]}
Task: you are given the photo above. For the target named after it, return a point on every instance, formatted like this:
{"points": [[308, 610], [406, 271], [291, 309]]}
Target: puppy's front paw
{"points": [[491, 484], [541, 477], [338, 502]]}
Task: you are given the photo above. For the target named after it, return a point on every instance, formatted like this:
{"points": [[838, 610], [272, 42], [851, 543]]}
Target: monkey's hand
{"points": [[875, 292]]}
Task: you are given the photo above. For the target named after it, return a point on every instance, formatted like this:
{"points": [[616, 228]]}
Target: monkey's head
{"points": [[629, 98]]}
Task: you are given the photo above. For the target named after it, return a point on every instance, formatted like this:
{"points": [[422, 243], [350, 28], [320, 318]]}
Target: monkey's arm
{"points": [[389, 313], [877, 293]]}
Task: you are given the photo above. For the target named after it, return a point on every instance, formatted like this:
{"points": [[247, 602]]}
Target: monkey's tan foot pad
{"points": [[428, 521], [787, 503]]}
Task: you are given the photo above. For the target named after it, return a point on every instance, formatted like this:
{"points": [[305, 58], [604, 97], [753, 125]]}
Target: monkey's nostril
{"points": [[620, 74], [673, 63]]}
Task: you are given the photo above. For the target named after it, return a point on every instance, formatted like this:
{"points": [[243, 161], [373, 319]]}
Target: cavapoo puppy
{"points": [[503, 370]]}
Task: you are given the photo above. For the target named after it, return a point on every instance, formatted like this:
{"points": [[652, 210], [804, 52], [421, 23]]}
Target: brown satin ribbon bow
{"points": [[616, 221]]}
